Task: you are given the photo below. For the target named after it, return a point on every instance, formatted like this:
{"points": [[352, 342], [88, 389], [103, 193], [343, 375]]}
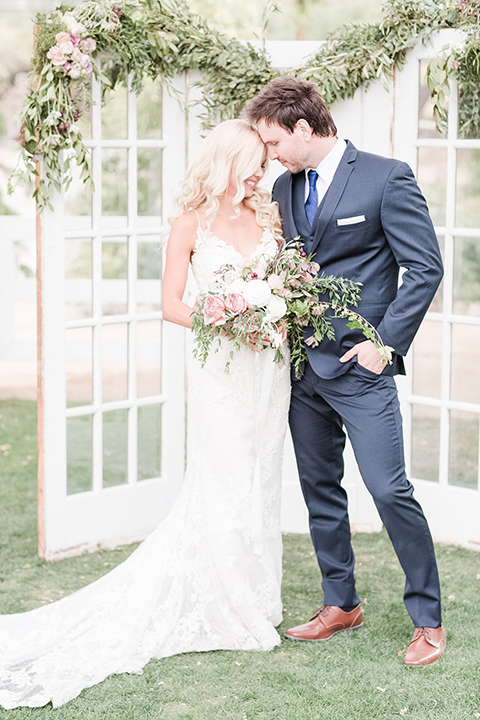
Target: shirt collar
{"points": [[328, 167]]}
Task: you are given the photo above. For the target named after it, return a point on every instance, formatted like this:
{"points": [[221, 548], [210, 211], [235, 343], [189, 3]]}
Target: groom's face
{"points": [[291, 149]]}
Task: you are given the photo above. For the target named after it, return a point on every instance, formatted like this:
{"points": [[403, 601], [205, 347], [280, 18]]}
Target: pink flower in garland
{"points": [[88, 45], [63, 37], [56, 56]]}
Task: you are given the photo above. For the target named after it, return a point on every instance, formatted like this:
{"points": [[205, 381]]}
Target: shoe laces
{"points": [[419, 633], [324, 610]]}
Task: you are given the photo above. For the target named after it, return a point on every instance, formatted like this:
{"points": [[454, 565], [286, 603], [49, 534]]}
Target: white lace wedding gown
{"points": [[209, 576]]}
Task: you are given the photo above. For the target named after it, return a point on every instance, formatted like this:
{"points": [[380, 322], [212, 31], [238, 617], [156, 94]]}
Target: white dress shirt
{"points": [[326, 170]]}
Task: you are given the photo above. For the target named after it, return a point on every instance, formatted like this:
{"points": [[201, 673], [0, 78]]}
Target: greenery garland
{"points": [[158, 38]]}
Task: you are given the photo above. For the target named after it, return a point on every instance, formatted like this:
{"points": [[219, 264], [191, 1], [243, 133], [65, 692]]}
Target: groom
{"points": [[363, 217]]}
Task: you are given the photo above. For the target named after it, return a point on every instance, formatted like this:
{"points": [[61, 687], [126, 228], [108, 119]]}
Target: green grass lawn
{"points": [[353, 676]]}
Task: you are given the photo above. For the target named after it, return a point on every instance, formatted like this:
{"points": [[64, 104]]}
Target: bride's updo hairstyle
{"points": [[233, 151]]}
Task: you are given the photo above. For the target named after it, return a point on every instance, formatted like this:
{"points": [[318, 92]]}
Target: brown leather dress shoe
{"points": [[426, 646], [327, 621]]}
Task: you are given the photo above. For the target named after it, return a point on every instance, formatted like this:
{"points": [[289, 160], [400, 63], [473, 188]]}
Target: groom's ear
{"points": [[305, 130]]}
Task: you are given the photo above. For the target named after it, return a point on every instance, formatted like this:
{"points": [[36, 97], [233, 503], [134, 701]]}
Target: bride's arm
{"points": [[181, 245]]}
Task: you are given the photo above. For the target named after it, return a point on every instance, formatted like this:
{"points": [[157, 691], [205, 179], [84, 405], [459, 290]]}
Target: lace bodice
{"points": [[211, 252]]}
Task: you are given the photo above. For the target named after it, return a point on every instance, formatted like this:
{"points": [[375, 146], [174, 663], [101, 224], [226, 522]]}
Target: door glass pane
{"points": [[468, 127], [150, 182], [425, 442], [465, 379], [78, 200], [114, 274], [114, 113], [463, 466], [115, 438], [149, 264], [78, 276], [468, 189], [149, 111], [79, 454], [114, 188], [149, 441], [115, 362], [432, 179], [427, 359], [466, 276], [79, 366], [149, 354], [426, 121]]}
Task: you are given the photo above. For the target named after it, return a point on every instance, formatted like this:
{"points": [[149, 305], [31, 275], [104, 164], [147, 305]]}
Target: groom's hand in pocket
{"points": [[368, 356]]}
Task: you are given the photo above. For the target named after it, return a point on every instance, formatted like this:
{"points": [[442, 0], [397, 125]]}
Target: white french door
{"points": [[111, 373], [442, 395]]}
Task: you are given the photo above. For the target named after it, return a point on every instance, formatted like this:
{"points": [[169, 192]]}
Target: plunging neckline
{"points": [[228, 245]]}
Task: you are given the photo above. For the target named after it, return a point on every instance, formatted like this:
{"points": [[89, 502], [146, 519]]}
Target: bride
{"points": [[209, 576]]}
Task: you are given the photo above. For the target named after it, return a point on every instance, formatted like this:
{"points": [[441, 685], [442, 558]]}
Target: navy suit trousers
{"points": [[367, 406]]}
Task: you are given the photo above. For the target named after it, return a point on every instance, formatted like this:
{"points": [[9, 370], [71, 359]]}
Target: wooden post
{"points": [[40, 399], [40, 403]]}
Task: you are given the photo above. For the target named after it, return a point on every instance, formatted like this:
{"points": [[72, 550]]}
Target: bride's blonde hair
{"points": [[233, 150]]}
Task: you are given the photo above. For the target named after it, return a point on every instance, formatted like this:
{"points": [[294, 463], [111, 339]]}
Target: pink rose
{"points": [[74, 39], [88, 45], [214, 310], [62, 37], [235, 303], [77, 54], [88, 68], [56, 56]]}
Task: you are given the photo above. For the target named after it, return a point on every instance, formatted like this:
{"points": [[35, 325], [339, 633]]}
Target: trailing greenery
{"points": [[158, 38], [463, 64], [357, 676]]}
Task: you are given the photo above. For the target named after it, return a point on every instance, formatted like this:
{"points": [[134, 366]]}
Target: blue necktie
{"points": [[312, 201]]}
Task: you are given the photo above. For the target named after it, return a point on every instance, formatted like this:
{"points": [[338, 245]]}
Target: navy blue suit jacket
{"points": [[390, 229]]}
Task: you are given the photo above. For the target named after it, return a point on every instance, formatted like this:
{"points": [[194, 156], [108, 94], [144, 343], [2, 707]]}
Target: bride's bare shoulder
{"points": [[183, 233], [188, 222]]}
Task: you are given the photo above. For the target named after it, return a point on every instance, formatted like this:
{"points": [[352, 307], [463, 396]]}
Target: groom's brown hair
{"points": [[286, 100]]}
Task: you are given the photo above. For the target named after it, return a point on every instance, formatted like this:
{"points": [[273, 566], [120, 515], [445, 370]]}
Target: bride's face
{"points": [[252, 181]]}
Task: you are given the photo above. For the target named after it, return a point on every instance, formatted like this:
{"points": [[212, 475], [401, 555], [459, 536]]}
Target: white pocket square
{"points": [[351, 220]]}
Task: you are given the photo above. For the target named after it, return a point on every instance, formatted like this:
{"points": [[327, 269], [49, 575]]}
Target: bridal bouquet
{"points": [[267, 299]]}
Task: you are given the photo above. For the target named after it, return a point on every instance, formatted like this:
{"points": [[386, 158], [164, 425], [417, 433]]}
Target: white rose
{"points": [[257, 292], [75, 72], [84, 61], [237, 286], [276, 308], [66, 47], [75, 27]]}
